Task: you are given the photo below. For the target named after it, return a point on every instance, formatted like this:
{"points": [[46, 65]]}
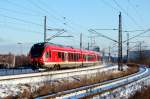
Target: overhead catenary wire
{"points": [[109, 5], [22, 7], [41, 8], [100, 34], [18, 12], [46, 11], [25, 8], [61, 18], [67, 25], [117, 30], [21, 29], [21, 20], [133, 37], [136, 11], [18, 19], [138, 35], [124, 11], [121, 8]]}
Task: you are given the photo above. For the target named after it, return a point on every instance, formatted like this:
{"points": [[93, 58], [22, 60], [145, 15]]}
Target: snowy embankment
{"points": [[86, 91], [14, 87], [51, 75], [126, 91]]}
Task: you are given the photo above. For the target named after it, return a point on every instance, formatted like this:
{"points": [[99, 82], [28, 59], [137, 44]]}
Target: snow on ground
{"points": [[10, 90], [77, 94], [16, 89], [126, 91]]}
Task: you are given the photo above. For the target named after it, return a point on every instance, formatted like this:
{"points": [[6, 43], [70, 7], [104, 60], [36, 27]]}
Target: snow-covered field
{"points": [[100, 87], [15, 87], [52, 75], [126, 91]]}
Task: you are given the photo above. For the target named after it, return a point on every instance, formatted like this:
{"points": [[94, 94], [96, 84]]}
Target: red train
{"points": [[57, 56]]}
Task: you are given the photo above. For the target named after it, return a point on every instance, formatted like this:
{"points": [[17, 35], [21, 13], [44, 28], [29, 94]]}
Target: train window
{"points": [[72, 56], [84, 57], [59, 54], [98, 58], [80, 56], [77, 56], [62, 56], [37, 50], [47, 54], [68, 56], [89, 57]]}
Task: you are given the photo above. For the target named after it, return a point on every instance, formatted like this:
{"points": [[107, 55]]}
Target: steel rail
{"points": [[90, 87], [51, 74]]}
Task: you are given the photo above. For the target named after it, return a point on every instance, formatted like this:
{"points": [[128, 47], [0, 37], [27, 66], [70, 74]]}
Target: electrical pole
{"points": [[88, 46], [120, 67], [45, 29], [91, 43], [127, 46], [59, 32], [109, 55], [140, 50], [103, 55], [14, 59], [81, 41], [81, 48]]}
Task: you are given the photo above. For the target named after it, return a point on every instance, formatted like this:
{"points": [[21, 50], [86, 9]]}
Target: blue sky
{"points": [[22, 20]]}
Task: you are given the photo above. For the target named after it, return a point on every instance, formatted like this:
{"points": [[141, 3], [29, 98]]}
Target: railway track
{"points": [[51, 75], [99, 87]]}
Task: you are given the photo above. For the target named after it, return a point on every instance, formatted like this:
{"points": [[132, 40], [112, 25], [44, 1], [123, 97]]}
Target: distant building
{"points": [[7, 60], [141, 57], [136, 54], [96, 48]]}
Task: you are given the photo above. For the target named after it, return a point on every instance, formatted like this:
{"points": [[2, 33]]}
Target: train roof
{"points": [[63, 48]]}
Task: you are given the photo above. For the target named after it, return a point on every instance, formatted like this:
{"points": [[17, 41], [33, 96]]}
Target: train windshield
{"points": [[37, 50]]}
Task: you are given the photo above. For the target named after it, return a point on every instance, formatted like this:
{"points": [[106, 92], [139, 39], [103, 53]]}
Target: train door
{"points": [[86, 58], [55, 56], [47, 56], [66, 56]]}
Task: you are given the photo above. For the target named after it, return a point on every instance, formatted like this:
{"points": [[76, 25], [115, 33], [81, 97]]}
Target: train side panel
{"points": [[62, 57]]}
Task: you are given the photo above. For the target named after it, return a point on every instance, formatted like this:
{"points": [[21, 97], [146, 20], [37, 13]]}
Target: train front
{"points": [[36, 54]]}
